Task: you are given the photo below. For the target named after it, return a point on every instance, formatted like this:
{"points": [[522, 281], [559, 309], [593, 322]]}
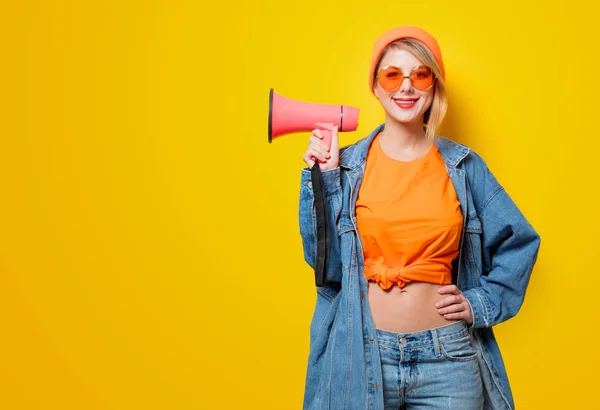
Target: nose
{"points": [[406, 86]]}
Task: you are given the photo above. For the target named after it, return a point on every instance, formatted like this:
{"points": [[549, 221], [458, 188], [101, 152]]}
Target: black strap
{"points": [[323, 243]]}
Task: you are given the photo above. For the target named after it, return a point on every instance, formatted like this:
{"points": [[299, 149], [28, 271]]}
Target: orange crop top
{"points": [[409, 219]]}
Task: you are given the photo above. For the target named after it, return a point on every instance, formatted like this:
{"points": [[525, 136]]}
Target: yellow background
{"points": [[150, 256]]}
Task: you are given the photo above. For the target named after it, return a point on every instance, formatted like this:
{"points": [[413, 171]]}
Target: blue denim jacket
{"points": [[498, 250]]}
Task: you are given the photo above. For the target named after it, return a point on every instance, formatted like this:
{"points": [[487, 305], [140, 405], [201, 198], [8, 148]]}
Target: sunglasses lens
{"points": [[422, 78], [390, 78]]}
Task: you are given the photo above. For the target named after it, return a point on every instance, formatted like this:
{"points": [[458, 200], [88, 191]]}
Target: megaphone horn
{"points": [[288, 116]]}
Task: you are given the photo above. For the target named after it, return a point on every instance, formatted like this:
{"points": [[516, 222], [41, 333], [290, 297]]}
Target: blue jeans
{"points": [[430, 369]]}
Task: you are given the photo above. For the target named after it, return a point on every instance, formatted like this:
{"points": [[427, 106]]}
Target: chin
{"points": [[405, 116], [406, 119]]}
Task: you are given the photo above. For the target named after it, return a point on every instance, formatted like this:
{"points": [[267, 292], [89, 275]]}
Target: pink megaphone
{"points": [[287, 116]]}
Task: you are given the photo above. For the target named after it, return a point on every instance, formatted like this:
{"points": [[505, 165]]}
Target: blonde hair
{"points": [[437, 111]]}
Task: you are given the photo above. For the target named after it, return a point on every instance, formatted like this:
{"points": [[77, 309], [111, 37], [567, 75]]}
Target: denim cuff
{"points": [[478, 302], [331, 180]]}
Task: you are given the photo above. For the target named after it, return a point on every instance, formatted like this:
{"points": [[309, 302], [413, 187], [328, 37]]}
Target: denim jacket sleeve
{"points": [[308, 220], [510, 248]]}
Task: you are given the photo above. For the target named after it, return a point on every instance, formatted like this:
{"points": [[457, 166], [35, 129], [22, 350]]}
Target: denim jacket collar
{"points": [[354, 156]]}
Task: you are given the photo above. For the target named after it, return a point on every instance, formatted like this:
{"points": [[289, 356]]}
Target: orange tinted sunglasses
{"points": [[390, 78]]}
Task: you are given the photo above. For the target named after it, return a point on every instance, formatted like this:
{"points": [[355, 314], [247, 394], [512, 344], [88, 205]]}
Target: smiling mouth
{"points": [[405, 103]]}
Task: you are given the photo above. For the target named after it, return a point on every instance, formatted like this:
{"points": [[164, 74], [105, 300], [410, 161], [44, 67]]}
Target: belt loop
{"points": [[436, 343]]}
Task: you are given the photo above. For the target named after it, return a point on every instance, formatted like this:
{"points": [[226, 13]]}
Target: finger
{"points": [[308, 159], [321, 152], [317, 133], [316, 141], [449, 289], [334, 147], [452, 309], [318, 154], [312, 153], [323, 149], [452, 316], [450, 300], [334, 136]]}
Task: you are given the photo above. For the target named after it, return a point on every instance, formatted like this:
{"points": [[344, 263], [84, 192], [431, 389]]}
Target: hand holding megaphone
{"points": [[323, 145]]}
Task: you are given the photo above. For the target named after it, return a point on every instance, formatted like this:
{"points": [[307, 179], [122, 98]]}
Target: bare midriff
{"points": [[407, 309]]}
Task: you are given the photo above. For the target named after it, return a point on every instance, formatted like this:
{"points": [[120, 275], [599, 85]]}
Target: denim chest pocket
{"points": [[473, 234]]}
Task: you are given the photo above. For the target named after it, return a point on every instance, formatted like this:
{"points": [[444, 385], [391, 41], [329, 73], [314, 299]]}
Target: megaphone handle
{"points": [[326, 129]]}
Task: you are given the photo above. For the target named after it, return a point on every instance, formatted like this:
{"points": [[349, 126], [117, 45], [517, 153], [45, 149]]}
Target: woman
{"points": [[428, 252]]}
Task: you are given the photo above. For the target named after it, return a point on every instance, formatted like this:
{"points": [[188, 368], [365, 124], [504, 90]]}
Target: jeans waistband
{"points": [[424, 337]]}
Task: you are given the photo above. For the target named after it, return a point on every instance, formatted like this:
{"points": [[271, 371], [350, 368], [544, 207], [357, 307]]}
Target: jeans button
{"points": [[403, 340]]}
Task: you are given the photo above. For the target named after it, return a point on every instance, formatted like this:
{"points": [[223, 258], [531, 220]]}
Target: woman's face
{"points": [[406, 104]]}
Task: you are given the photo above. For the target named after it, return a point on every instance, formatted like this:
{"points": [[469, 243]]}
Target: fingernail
{"points": [[437, 305]]}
